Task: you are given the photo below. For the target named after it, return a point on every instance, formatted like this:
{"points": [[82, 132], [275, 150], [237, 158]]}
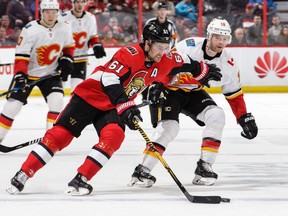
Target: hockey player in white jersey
{"points": [[44, 47], [84, 30], [187, 96]]}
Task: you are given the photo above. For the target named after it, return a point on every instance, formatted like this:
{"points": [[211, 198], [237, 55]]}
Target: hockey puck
{"points": [[226, 200]]}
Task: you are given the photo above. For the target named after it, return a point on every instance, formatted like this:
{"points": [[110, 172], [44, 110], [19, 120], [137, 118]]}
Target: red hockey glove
{"points": [[250, 129], [129, 112], [208, 72]]}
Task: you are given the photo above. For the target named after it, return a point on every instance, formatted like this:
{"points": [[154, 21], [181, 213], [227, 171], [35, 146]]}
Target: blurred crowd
{"points": [[117, 20]]}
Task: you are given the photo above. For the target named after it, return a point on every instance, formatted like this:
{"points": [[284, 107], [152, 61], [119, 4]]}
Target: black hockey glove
{"points": [[66, 66], [157, 94], [208, 72], [248, 124], [20, 80], [129, 112], [98, 50]]}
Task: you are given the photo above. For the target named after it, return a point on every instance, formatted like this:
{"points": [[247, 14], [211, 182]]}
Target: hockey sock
{"points": [[54, 140], [111, 138], [209, 149], [51, 118]]}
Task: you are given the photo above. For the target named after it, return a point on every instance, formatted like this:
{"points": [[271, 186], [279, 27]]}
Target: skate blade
{"points": [[12, 190], [73, 192], [199, 180]]}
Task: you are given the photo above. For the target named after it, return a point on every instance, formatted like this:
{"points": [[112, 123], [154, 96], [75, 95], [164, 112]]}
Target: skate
{"points": [[17, 183], [204, 174], [79, 186], [142, 177]]}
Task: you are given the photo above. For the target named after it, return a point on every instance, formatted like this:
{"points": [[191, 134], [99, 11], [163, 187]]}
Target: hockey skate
{"points": [[142, 177], [17, 183], [79, 186], [204, 174]]}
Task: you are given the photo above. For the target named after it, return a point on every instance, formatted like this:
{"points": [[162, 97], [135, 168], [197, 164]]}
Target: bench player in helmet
{"points": [[84, 30], [106, 99], [187, 96], [44, 47]]}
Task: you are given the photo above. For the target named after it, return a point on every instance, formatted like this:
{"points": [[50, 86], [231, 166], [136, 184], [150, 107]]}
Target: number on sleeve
{"points": [[116, 66]]}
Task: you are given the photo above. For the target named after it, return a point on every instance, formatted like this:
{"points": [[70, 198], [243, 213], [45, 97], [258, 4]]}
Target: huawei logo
{"points": [[271, 63]]}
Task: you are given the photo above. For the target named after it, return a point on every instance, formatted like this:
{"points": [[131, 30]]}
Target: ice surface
{"points": [[253, 173]]}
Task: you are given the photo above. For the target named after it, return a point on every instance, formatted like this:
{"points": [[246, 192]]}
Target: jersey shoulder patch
{"points": [[28, 26], [190, 42], [132, 50]]}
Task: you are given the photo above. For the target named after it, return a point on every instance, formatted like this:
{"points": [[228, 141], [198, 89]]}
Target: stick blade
{"points": [[4, 149], [206, 199]]}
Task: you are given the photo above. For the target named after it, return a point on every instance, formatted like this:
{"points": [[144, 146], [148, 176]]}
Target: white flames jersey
{"points": [[83, 29], [43, 46], [193, 47]]}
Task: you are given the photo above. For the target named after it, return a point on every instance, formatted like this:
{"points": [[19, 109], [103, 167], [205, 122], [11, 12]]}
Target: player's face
{"points": [[157, 50], [79, 5], [50, 16], [218, 42]]}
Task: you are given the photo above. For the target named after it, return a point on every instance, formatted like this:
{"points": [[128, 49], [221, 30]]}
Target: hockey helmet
{"points": [[162, 5], [73, 1], [156, 33], [219, 27], [49, 4]]}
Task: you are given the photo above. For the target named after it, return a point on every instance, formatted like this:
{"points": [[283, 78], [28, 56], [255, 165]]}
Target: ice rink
{"points": [[253, 173]]}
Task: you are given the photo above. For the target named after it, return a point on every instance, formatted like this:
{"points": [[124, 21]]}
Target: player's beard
{"points": [[212, 49], [156, 58]]}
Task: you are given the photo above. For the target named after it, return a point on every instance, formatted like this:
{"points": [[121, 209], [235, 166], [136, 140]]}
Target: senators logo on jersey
{"points": [[46, 55], [136, 84]]}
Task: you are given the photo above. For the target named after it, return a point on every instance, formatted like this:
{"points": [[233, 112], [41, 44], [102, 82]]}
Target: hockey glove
{"points": [[208, 72], [66, 66], [157, 94], [129, 112], [98, 50], [248, 124], [20, 80]]}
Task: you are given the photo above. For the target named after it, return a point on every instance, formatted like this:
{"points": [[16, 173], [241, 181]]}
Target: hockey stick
{"points": [[84, 56], [30, 83], [78, 56], [144, 103], [191, 198], [6, 149]]}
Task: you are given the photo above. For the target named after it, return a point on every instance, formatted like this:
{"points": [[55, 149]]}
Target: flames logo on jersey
{"points": [[136, 84], [44, 54], [184, 78], [79, 39], [271, 63]]}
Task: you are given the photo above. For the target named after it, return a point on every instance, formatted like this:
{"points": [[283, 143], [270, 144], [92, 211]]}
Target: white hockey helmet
{"points": [[219, 27], [73, 1], [49, 4]]}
